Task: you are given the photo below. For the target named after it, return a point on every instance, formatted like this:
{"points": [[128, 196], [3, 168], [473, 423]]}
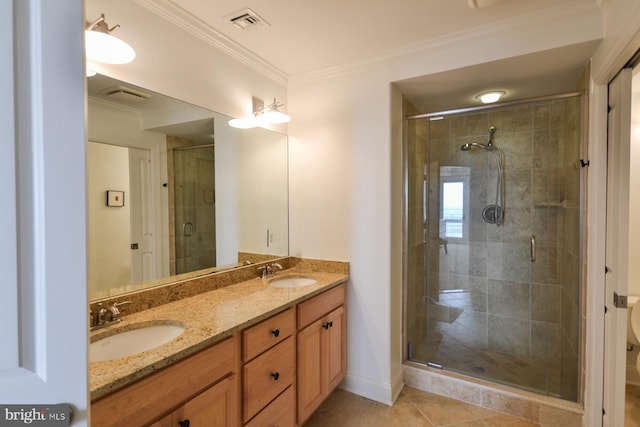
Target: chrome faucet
{"points": [[106, 316], [268, 270]]}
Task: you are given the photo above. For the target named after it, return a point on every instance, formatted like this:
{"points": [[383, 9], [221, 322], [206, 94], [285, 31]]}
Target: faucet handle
{"points": [[115, 312], [118, 304]]}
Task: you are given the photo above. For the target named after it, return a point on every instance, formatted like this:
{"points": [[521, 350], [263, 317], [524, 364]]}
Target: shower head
{"points": [[469, 145], [488, 146]]}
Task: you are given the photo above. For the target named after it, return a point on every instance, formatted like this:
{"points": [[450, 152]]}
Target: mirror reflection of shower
{"points": [[492, 214]]}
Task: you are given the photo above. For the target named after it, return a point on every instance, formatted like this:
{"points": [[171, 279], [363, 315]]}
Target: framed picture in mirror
{"points": [[115, 198]]}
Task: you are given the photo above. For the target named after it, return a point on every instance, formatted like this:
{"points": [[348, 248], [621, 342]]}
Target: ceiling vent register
{"points": [[246, 19], [125, 94]]}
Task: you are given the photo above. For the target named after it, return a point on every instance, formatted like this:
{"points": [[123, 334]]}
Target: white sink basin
{"points": [[292, 281], [132, 341]]}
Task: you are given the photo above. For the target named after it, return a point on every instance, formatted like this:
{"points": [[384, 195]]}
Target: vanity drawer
{"points": [[266, 376], [313, 309], [267, 333], [280, 412]]}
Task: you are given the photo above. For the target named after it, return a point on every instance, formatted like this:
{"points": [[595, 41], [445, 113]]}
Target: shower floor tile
{"points": [[527, 373]]}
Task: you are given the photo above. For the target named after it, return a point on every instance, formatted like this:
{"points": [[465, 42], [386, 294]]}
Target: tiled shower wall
{"points": [[191, 200], [508, 319]]}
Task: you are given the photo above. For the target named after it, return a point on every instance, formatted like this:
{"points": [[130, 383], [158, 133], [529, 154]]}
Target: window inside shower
{"points": [[490, 299], [454, 188]]}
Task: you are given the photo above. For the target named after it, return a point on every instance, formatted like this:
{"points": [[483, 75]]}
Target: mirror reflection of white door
{"points": [[142, 256], [617, 247]]}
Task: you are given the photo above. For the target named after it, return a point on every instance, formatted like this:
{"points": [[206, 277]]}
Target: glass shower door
{"points": [[479, 300], [194, 208]]}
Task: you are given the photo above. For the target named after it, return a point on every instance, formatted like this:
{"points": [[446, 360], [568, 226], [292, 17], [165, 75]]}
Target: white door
{"points": [[43, 320], [140, 202], [617, 247]]}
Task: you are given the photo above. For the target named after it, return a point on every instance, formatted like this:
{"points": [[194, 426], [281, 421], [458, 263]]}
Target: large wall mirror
{"points": [[174, 192]]}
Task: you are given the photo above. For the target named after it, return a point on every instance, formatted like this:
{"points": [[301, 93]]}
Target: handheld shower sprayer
{"points": [[488, 146], [493, 214]]}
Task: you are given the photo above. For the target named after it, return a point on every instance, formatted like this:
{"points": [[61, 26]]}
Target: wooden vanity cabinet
{"points": [[321, 349], [203, 388], [269, 371], [266, 375], [214, 407]]}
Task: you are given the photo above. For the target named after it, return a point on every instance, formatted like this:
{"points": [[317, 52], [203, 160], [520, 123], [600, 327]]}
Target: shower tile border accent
{"points": [[547, 411]]}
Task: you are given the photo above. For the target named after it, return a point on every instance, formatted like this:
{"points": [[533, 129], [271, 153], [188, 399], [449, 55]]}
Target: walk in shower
{"points": [[492, 248], [193, 210]]}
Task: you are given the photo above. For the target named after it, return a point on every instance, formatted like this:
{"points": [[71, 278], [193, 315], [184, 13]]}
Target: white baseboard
{"points": [[371, 389]]}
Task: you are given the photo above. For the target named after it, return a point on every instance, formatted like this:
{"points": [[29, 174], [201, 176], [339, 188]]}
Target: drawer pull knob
{"points": [[184, 423], [276, 375], [328, 325], [276, 332]]}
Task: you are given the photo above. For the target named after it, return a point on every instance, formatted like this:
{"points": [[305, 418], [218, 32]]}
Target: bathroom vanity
{"points": [[251, 354]]}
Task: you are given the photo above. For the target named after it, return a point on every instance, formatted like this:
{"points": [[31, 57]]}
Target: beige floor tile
{"points": [[632, 407], [412, 408]]}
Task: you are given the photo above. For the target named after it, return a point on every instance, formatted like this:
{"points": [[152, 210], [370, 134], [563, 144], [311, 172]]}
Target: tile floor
{"points": [[632, 407], [413, 408], [420, 408]]}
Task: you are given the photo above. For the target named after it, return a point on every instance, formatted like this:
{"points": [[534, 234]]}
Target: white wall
{"points": [[109, 237], [261, 176], [340, 188]]}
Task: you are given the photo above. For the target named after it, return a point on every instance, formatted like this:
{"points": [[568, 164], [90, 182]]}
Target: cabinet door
{"points": [[215, 407], [164, 422], [335, 350], [310, 385]]}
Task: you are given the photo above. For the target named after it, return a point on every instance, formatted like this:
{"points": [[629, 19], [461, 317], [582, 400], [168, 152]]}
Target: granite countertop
{"points": [[208, 318]]}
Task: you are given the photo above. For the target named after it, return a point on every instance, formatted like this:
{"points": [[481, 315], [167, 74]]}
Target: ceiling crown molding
{"points": [[576, 10], [198, 28]]}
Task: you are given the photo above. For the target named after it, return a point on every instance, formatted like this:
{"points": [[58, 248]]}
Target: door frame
{"points": [[44, 318], [619, 44], [617, 246]]}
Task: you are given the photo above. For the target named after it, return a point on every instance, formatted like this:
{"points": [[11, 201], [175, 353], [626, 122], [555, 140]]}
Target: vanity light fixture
{"points": [[262, 116], [102, 46], [271, 115], [490, 97]]}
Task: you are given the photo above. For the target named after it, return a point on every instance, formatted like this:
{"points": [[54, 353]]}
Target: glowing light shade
{"points": [[269, 115], [490, 97], [101, 46], [246, 123]]}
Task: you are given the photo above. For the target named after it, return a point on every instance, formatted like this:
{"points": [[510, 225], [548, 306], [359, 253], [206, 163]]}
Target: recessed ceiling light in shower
{"points": [[490, 97]]}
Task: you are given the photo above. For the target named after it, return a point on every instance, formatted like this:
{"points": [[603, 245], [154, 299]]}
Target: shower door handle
{"points": [[187, 229], [533, 248]]}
